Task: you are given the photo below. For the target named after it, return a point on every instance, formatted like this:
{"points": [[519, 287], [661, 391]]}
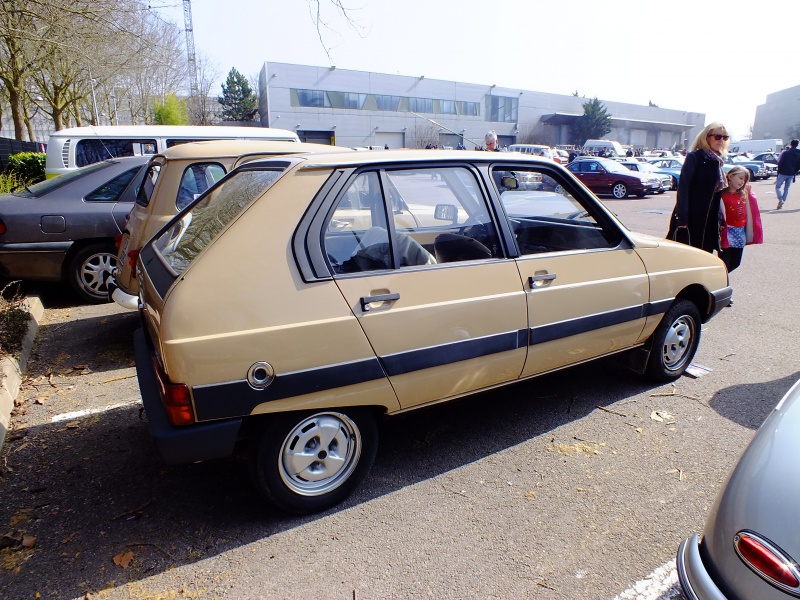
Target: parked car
{"points": [[606, 176], [560, 156], [750, 543], [669, 166], [174, 178], [770, 160], [756, 168], [645, 167], [64, 228], [302, 298]]}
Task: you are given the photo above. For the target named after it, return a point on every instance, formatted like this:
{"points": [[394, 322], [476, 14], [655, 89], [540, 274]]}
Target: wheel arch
{"points": [[79, 245], [702, 299]]}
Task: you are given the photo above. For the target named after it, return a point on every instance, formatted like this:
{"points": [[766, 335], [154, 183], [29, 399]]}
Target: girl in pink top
{"points": [[739, 216]]}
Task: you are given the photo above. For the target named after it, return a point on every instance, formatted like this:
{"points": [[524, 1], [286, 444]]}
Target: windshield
{"points": [[48, 185], [614, 167], [187, 236]]}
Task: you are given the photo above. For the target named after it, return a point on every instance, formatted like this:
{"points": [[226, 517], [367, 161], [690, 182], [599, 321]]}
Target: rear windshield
{"points": [[48, 185], [187, 236]]}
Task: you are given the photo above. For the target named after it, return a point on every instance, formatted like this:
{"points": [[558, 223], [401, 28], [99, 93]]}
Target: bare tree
{"points": [[536, 133], [201, 109], [321, 16]]}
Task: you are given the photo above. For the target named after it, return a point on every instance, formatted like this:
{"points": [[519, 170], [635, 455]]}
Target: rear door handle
{"points": [[367, 300], [537, 281]]}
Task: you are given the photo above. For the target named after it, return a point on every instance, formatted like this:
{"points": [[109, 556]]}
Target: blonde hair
{"points": [[738, 169], [701, 141]]}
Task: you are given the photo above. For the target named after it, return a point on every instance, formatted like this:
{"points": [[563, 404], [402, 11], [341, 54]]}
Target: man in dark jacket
{"points": [[788, 167]]}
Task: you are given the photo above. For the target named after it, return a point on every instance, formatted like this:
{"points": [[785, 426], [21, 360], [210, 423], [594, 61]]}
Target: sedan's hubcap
{"points": [[96, 270], [319, 454]]}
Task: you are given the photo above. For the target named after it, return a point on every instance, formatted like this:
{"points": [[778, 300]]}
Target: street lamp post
{"points": [[113, 97], [94, 99]]}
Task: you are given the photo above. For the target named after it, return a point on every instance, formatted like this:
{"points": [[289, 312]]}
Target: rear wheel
{"points": [[674, 183], [619, 190], [89, 270], [674, 341], [304, 463]]}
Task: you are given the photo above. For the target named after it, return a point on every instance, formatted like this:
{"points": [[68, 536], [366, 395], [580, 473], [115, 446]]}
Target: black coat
{"points": [[698, 204]]}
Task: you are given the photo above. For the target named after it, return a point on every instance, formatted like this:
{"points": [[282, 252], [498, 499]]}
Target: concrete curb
{"points": [[11, 369]]}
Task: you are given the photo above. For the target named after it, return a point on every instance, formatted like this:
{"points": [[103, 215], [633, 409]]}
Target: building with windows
{"points": [[777, 115], [361, 109]]}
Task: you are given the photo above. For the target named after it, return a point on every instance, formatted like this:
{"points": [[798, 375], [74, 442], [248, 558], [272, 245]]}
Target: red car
{"points": [[606, 176]]}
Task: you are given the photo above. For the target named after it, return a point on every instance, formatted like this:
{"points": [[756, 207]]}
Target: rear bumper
{"points": [[177, 445], [117, 295], [695, 580]]}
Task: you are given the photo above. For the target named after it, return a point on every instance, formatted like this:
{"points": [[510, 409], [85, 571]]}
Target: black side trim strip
{"points": [[657, 308], [237, 398], [556, 331], [436, 356]]}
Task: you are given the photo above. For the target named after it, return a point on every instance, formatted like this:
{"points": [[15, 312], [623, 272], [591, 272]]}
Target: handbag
{"points": [[677, 234]]}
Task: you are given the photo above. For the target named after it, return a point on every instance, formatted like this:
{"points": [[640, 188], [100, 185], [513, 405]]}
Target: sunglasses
{"points": [[718, 136]]}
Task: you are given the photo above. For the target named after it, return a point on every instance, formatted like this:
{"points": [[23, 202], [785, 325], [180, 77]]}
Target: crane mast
{"points": [[187, 22]]}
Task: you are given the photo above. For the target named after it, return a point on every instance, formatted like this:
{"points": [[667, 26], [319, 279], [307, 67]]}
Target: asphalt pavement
{"points": [[580, 484]]}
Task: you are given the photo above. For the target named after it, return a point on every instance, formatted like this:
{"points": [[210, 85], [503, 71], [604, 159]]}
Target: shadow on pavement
{"points": [[93, 489], [750, 404]]}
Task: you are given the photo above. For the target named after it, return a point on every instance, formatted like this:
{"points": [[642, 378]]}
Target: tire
{"points": [[89, 269], [619, 190], [674, 342], [674, 183], [307, 462], [641, 194]]}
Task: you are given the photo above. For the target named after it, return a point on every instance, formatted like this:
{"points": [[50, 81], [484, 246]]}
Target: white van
{"points": [[609, 146], [532, 149], [77, 147], [756, 146]]}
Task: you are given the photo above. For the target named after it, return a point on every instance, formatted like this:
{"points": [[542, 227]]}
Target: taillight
{"points": [[117, 240], [132, 256], [768, 561], [175, 398], [2, 227]]}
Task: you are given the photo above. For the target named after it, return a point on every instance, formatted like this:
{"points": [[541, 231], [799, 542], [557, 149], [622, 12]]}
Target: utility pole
{"points": [[187, 23]]}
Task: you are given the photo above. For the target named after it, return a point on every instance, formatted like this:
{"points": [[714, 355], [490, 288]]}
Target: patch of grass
{"points": [[14, 319]]}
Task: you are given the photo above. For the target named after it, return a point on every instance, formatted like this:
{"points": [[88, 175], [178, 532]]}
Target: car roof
{"points": [[355, 158], [218, 148]]}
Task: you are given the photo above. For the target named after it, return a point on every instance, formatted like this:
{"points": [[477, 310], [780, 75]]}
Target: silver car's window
{"points": [[111, 190], [197, 178], [48, 185], [545, 217], [437, 215], [188, 235]]}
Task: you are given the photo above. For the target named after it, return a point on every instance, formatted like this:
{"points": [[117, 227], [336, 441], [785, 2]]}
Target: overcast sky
{"points": [[720, 58]]}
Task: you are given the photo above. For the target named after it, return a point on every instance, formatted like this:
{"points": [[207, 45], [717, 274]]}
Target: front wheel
{"points": [[674, 183], [304, 463], [674, 341], [620, 191], [90, 269]]}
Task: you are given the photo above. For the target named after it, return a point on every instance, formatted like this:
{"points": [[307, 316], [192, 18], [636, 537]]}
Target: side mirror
{"points": [[509, 183], [445, 212]]}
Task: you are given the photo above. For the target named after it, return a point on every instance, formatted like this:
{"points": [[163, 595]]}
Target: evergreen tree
{"points": [[172, 112], [238, 100], [593, 124]]}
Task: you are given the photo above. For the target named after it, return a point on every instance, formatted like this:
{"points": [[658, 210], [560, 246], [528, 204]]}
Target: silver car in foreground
{"points": [[751, 542]]}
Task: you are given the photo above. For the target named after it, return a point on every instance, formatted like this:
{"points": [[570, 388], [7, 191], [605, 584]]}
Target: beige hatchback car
{"points": [[175, 178], [305, 297]]}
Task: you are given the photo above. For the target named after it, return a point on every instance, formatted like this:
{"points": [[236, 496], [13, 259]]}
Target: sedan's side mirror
{"points": [[445, 212]]}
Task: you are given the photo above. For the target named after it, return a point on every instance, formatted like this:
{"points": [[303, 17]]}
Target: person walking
{"points": [[490, 139], [700, 185], [741, 222], [788, 167]]}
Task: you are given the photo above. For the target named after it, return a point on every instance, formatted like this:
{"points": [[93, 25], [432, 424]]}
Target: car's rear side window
{"points": [[189, 235], [111, 190], [148, 184], [197, 178]]}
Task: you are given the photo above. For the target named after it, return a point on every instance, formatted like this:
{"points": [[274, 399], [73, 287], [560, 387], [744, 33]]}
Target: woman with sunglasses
{"points": [[695, 219]]}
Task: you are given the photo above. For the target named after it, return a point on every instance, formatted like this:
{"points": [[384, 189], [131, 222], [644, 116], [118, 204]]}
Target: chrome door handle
{"points": [[537, 281], [367, 300]]}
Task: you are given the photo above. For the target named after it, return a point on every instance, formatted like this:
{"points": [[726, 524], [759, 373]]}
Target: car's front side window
{"points": [[547, 218], [111, 190]]}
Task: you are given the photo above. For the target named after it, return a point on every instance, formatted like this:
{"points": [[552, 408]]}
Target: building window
{"points": [[352, 100], [420, 105], [502, 109], [387, 102], [447, 107], [468, 109], [313, 98]]}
